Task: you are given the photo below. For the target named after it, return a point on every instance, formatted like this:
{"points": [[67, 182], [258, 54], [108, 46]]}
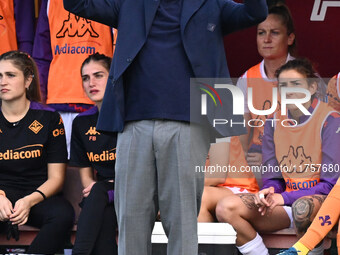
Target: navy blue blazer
{"points": [[203, 25]]}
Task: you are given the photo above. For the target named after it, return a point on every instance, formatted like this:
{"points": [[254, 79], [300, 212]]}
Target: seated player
{"points": [[305, 148], [325, 220], [219, 182], [328, 215], [32, 158], [92, 151]]}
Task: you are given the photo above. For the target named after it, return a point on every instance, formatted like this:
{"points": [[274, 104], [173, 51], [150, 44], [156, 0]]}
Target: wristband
{"points": [[43, 195], [2, 193]]}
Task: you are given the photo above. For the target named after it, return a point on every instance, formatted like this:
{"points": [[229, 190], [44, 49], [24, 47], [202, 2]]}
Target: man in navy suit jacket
{"points": [[161, 44]]}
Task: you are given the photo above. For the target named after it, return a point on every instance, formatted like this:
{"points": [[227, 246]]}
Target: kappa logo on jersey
{"points": [[3, 26], [325, 220], [322, 5], [36, 126], [76, 26], [295, 160], [92, 131]]}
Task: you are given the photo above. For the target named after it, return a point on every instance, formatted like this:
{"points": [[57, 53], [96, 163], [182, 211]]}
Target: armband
{"points": [[41, 193]]}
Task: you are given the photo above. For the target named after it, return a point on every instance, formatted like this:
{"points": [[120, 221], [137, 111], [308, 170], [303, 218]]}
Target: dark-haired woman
{"points": [[32, 158], [92, 151], [301, 157], [330, 210]]}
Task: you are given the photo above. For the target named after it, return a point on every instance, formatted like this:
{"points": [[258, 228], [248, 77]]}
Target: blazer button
{"points": [[129, 60]]}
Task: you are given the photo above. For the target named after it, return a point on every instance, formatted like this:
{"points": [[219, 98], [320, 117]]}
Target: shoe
{"points": [[290, 251]]}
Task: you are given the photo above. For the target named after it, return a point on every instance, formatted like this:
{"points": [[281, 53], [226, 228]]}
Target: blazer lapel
{"points": [[189, 7], [150, 8]]}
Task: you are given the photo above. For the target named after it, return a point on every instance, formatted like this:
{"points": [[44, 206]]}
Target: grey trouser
{"points": [[155, 170]]}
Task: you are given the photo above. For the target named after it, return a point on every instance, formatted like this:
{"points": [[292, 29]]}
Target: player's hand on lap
{"points": [[87, 190], [21, 212], [6, 208]]}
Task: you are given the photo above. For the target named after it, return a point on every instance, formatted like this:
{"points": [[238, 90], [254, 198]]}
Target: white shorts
{"points": [[288, 210], [237, 190]]}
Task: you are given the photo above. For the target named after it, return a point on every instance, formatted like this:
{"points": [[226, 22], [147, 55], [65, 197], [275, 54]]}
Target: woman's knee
{"points": [[101, 189], [101, 186], [304, 210], [227, 208], [207, 198], [63, 213]]}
